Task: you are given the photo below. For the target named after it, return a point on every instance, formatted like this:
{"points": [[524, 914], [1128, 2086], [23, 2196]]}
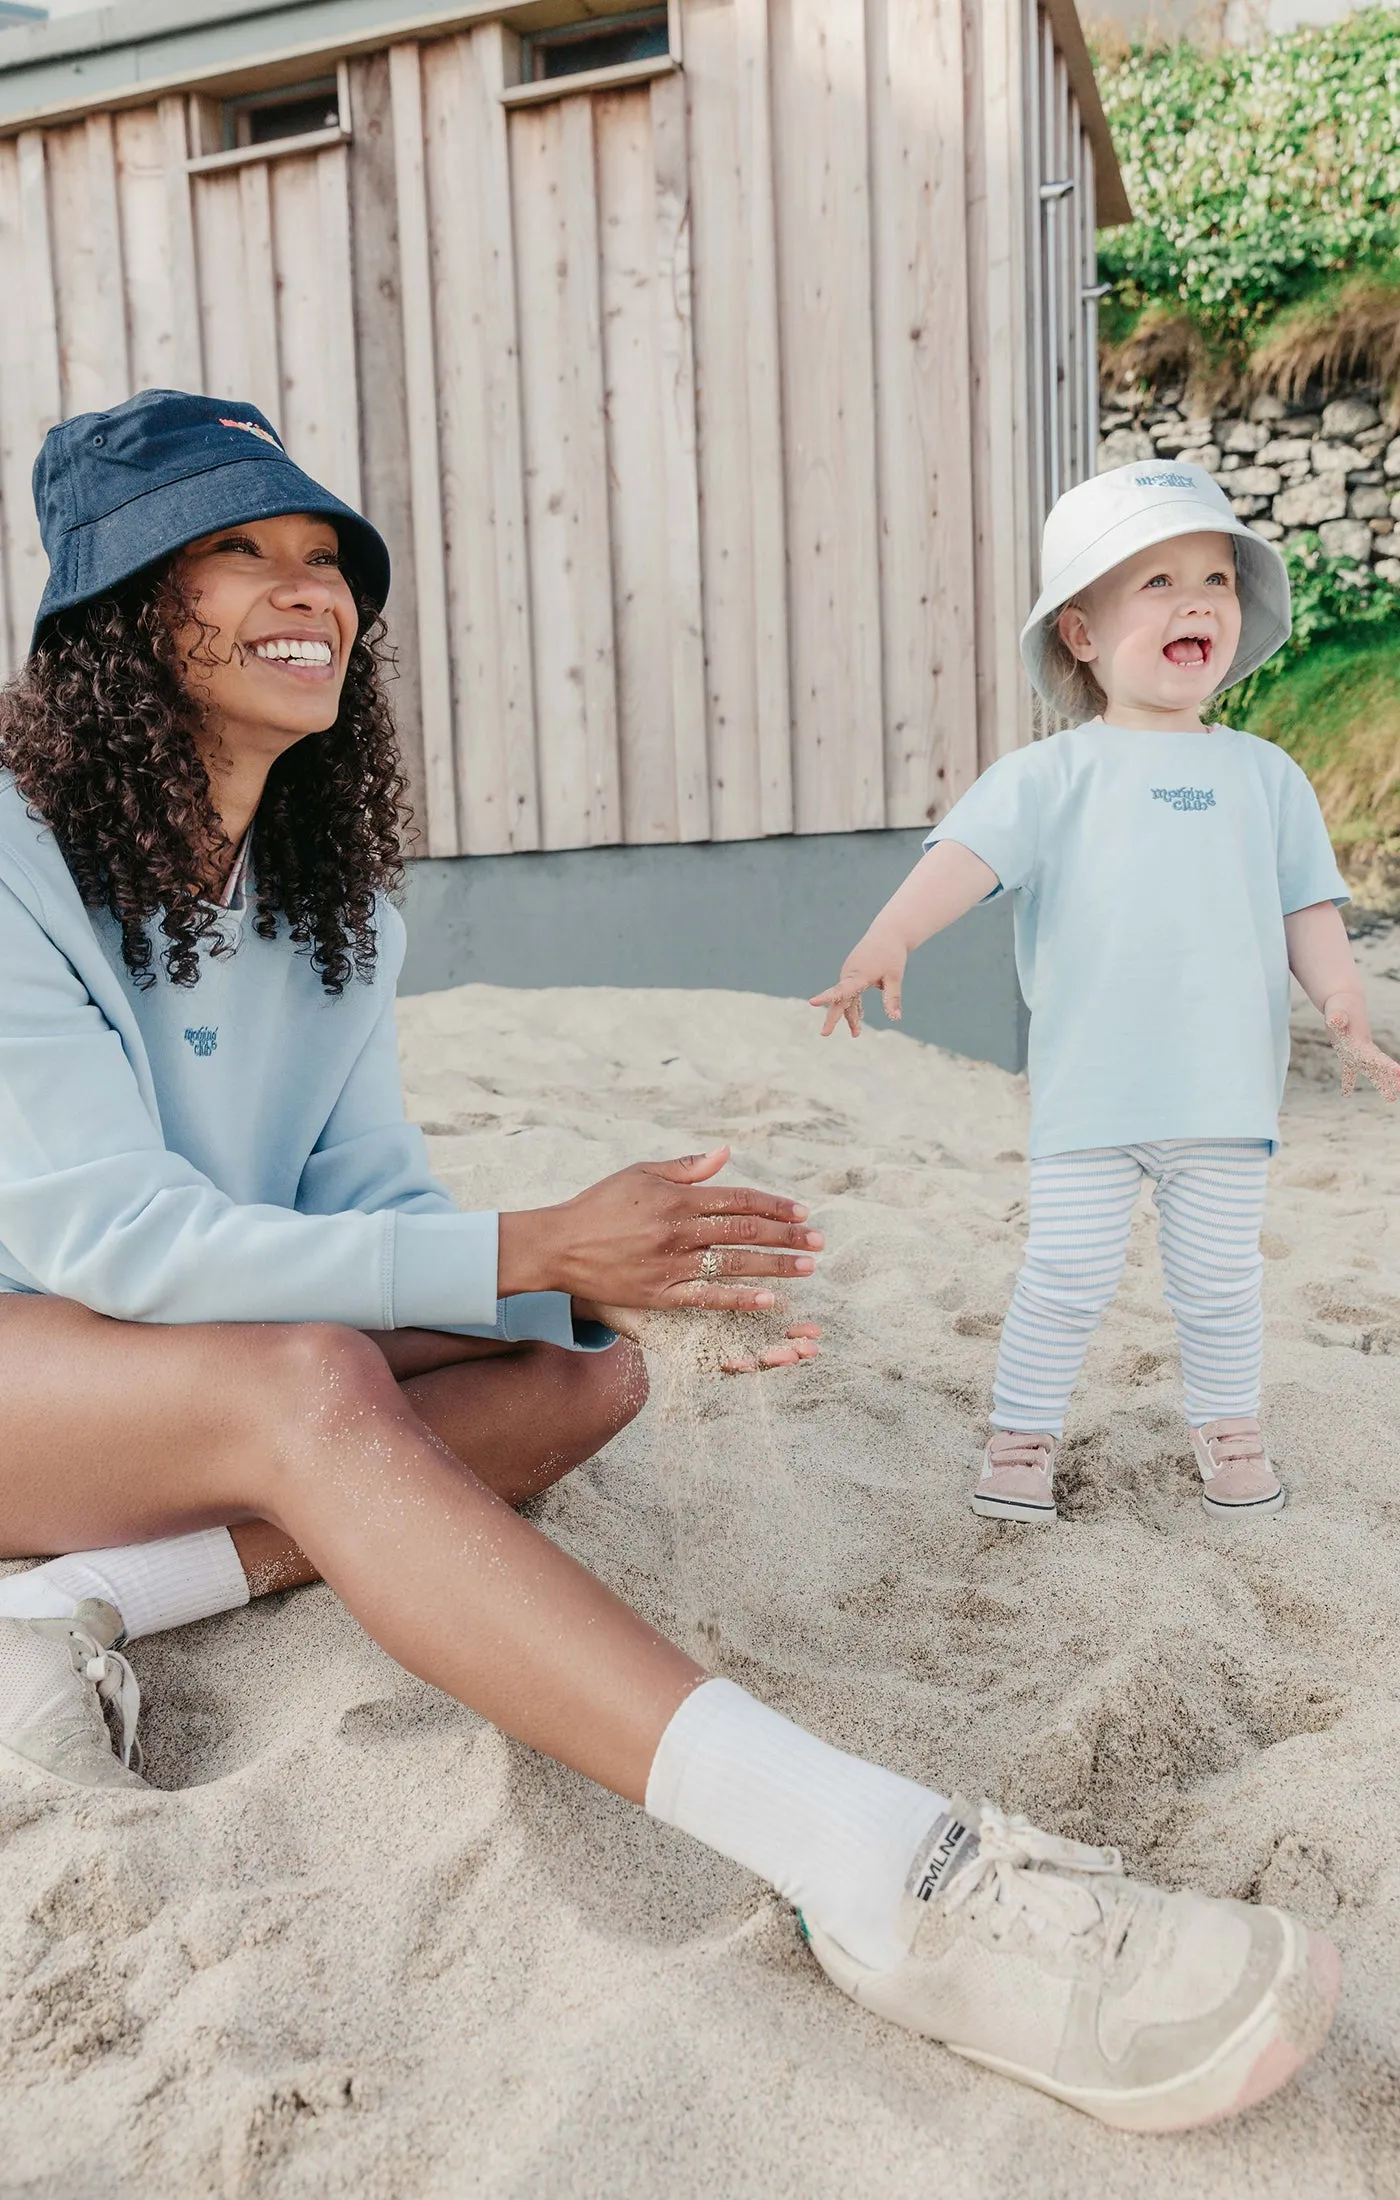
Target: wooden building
{"points": [[708, 369]]}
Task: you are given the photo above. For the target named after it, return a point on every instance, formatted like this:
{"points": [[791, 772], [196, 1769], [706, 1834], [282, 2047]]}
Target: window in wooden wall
{"points": [[608, 42], [291, 111]]}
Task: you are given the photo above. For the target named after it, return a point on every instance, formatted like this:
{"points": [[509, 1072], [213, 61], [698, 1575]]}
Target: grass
{"points": [[1337, 713], [1347, 333], [1344, 335]]}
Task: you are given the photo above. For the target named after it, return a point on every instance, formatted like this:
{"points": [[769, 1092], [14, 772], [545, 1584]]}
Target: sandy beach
{"points": [[362, 1948]]}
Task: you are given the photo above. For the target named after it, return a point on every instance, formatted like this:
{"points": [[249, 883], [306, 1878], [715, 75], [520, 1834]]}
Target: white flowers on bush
{"points": [[1252, 174]]}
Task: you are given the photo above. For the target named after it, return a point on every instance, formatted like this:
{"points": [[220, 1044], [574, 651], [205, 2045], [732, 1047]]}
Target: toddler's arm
{"points": [[942, 887], [1320, 957]]}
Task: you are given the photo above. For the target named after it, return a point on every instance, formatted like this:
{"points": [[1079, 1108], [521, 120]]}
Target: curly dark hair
{"points": [[100, 735]]}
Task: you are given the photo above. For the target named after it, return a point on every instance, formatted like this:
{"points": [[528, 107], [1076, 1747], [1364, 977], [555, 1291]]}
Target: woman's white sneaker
{"points": [[60, 1681], [1038, 1957]]}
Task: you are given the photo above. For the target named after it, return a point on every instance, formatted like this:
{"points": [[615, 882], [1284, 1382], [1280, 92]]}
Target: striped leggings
{"points": [[1210, 1194]]}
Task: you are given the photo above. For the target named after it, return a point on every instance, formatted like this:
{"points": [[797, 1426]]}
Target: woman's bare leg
{"points": [[520, 1416], [120, 1432]]}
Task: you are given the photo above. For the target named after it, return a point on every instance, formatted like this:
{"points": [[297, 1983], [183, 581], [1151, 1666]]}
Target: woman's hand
{"points": [[650, 1237], [1358, 1053], [876, 962]]}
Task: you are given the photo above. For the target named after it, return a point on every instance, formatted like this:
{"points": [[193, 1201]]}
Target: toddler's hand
{"points": [[877, 963], [1362, 1057]]}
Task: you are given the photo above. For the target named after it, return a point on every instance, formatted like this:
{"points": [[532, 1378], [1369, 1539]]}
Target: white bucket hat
{"points": [[1100, 523]]}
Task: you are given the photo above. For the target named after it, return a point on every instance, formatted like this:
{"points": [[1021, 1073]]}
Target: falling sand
{"points": [[362, 1948]]}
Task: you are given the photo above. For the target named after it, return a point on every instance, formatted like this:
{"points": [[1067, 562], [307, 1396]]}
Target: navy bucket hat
{"points": [[116, 491]]}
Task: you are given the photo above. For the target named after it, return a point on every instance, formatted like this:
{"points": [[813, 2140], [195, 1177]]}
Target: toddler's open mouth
{"points": [[1188, 649]]}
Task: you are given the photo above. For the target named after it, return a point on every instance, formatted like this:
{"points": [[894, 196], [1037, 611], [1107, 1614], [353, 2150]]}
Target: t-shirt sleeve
{"points": [[1307, 868], [999, 819]]}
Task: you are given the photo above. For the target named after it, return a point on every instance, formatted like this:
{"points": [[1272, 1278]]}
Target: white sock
{"points": [[836, 1836], [153, 1585]]}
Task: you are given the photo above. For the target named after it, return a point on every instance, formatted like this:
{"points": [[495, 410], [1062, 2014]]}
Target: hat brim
{"points": [[1261, 576], [157, 522]]}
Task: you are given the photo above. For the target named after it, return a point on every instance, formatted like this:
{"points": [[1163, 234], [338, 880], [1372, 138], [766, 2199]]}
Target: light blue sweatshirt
{"points": [[232, 1151]]}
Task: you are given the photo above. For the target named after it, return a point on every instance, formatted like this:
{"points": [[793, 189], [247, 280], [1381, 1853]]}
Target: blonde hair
{"points": [[1078, 693]]}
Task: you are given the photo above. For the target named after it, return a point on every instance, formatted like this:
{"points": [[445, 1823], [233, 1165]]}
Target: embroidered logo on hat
{"points": [[251, 427], [1166, 481]]}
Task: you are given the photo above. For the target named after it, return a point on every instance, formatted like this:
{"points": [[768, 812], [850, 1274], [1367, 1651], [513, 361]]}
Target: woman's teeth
{"points": [[295, 653]]}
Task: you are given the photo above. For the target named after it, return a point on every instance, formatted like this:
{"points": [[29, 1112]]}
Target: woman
{"points": [[245, 1339]]}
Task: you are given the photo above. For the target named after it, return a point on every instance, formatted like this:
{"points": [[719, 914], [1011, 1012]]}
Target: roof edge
{"points": [[112, 58], [1111, 205]]}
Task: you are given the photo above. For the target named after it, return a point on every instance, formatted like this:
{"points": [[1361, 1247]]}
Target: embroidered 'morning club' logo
{"points": [[202, 1037], [1186, 798]]}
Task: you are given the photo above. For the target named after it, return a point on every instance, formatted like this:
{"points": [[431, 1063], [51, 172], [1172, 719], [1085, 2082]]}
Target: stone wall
{"points": [[1286, 470]]}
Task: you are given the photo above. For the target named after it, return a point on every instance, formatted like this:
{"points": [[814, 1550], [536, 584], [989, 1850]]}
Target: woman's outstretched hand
{"points": [[659, 1236], [1359, 1056], [874, 963]]}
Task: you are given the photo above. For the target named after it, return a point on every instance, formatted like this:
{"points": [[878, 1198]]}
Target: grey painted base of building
{"points": [[750, 916]]}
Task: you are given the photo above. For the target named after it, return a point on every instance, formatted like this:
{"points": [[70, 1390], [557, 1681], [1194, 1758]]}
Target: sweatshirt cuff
{"points": [[547, 1317], [445, 1270]]}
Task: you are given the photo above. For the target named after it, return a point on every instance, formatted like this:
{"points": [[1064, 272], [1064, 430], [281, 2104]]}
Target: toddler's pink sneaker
{"points": [[1017, 1481], [1236, 1471]]}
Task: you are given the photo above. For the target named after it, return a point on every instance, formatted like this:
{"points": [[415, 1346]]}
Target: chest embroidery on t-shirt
{"points": [[202, 1037], [1186, 798]]}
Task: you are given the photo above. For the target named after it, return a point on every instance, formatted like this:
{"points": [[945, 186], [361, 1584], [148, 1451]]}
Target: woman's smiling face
{"points": [[278, 623]]}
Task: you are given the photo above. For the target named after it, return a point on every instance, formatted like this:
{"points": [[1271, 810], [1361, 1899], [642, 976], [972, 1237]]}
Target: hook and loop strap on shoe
{"points": [[1011, 1449], [1231, 1443]]}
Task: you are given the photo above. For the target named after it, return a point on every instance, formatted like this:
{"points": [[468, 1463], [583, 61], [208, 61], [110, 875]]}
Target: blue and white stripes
{"points": [[1210, 1194]]}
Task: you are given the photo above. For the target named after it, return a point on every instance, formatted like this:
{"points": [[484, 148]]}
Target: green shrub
{"points": [[1256, 177], [1336, 710], [1334, 600]]}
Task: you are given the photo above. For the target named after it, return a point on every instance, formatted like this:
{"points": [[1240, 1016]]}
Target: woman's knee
{"points": [[613, 1387], [311, 1381]]}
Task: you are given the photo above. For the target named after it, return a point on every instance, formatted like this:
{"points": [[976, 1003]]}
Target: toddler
{"points": [[1168, 873]]}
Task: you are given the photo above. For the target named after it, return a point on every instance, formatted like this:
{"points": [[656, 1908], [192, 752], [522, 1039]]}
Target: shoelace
{"points": [[1010, 1449], [1231, 1442], [117, 1687], [1002, 1884]]}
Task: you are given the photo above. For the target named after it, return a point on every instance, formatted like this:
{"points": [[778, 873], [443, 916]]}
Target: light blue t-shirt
{"points": [[1152, 874]]}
